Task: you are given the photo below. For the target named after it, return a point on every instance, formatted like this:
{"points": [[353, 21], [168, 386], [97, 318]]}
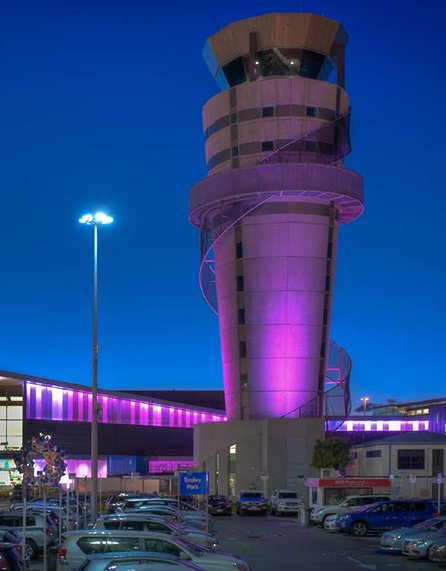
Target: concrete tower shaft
{"points": [[271, 206]]}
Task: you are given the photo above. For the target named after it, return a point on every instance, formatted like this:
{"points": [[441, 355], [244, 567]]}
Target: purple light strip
{"points": [[371, 425], [48, 402]]}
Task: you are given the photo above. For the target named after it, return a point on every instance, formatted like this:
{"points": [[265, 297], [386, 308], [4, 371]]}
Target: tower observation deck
{"points": [[269, 212]]}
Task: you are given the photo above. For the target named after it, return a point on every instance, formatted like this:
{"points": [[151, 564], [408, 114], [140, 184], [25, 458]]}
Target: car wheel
{"points": [[278, 513], [273, 511], [31, 550], [358, 529]]}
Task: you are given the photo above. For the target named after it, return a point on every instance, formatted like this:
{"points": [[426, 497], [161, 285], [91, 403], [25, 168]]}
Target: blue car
{"points": [[385, 515]]}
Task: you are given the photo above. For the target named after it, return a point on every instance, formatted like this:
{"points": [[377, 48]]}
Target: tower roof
{"points": [[276, 30]]}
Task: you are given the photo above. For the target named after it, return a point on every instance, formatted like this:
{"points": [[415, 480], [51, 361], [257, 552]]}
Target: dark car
{"points": [[219, 505], [385, 515], [10, 552], [251, 502]]}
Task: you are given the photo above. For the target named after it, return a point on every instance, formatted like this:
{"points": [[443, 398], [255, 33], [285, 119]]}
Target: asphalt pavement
{"points": [[281, 544]]}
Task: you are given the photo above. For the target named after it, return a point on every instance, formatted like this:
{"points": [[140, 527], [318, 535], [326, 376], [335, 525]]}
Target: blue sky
{"points": [[101, 108]]}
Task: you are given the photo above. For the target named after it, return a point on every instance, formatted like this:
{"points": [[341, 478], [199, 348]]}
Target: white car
{"points": [[350, 503], [135, 562], [330, 523], [285, 501], [136, 522], [34, 532], [77, 545]]}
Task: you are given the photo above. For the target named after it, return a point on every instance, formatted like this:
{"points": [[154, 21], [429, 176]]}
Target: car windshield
{"points": [[195, 549], [364, 508], [434, 522], [288, 495], [253, 495]]}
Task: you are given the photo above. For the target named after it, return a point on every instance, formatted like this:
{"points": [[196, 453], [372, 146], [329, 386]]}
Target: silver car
{"points": [[437, 551], [35, 530], [138, 522], [130, 561], [330, 522], [77, 545], [417, 545], [392, 541]]}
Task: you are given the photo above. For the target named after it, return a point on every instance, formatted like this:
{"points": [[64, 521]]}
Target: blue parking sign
{"points": [[193, 483]]}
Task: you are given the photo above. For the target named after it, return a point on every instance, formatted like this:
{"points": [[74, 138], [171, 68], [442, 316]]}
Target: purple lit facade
{"points": [[49, 402], [374, 425], [269, 210]]}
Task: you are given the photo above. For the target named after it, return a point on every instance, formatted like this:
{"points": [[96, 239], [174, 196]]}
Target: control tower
{"points": [[270, 209]]}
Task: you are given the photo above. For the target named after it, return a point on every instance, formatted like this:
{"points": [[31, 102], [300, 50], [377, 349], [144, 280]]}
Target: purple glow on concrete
{"points": [[70, 405], [81, 468], [389, 425], [49, 402]]}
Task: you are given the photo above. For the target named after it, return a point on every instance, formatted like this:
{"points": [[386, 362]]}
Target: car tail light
{"points": [[61, 553], [49, 532]]}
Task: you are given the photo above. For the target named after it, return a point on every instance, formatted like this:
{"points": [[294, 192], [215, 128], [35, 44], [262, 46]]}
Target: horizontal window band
{"points": [[279, 111], [246, 149]]}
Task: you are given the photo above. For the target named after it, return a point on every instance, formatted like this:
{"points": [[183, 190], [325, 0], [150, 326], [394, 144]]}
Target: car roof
{"points": [[122, 532], [136, 517], [135, 554]]}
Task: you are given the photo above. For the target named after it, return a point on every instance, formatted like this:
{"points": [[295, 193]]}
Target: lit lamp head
{"points": [[98, 219]]}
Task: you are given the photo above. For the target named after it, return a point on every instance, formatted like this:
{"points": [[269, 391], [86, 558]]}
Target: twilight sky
{"points": [[101, 109]]}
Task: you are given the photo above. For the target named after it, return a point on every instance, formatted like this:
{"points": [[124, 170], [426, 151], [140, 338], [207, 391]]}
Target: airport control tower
{"points": [[270, 209]]}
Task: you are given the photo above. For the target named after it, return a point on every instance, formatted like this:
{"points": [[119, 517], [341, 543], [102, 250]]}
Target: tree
{"points": [[331, 453]]}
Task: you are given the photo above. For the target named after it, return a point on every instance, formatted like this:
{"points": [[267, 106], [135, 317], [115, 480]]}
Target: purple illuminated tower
{"points": [[269, 211]]}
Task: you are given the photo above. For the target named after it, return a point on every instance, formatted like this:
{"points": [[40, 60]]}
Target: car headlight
{"points": [[417, 543]]}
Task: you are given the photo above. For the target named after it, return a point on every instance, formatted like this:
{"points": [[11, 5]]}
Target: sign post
{"points": [[44, 527], [439, 480], [412, 480], [264, 476], [194, 484]]}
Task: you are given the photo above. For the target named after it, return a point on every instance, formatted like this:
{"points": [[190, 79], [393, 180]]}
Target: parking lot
{"points": [[280, 544]]}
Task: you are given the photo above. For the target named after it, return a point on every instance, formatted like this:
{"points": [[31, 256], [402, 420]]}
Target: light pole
{"points": [[365, 400], [95, 220]]}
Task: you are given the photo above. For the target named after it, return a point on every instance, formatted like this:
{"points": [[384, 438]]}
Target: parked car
{"points": [[284, 502], [79, 544], [330, 522], [385, 515], [251, 502], [350, 503], [145, 523], [135, 561], [10, 556], [437, 551], [52, 512], [416, 545], [392, 541], [34, 534], [219, 505], [114, 501]]}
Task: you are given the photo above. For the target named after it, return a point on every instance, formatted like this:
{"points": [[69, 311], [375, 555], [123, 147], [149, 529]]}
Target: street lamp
{"points": [[365, 400], [95, 220]]}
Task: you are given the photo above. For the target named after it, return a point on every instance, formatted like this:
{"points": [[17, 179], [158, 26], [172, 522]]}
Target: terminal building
{"points": [[151, 432], [137, 432]]}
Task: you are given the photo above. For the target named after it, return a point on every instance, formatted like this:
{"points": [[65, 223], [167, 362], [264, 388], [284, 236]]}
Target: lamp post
{"points": [[95, 220], [365, 400]]}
